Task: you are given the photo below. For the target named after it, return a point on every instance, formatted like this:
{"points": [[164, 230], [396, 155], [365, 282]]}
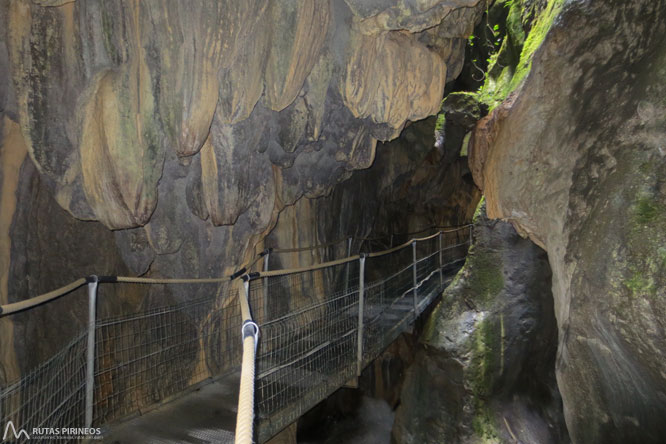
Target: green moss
{"points": [[483, 359], [647, 210], [441, 121], [644, 259], [484, 425], [465, 145], [487, 279], [481, 377], [534, 39], [645, 168], [661, 252], [506, 73], [479, 210], [514, 24], [640, 284]]}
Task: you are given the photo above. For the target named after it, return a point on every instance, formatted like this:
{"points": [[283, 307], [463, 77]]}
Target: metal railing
{"points": [[126, 364], [319, 327]]}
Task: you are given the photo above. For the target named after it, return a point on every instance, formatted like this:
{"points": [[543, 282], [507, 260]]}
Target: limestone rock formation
{"points": [[411, 185], [178, 138], [381, 82], [576, 161], [485, 372], [169, 136], [104, 91]]}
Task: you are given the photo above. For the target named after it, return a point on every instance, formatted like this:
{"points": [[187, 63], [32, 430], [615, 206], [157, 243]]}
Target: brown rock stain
{"points": [[482, 159], [392, 78], [13, 151], [312, 23], [241, 85], [118, 180], [209, 174]]}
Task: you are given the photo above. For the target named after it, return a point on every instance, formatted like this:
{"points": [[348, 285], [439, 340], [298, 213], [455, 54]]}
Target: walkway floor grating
{"points": [[207, 415]]}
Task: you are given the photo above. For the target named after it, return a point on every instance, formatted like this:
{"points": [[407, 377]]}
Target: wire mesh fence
{"points": [[311, 321], [51, 395], [318, 327], [148, 357], [307, 350], [141, 359]]}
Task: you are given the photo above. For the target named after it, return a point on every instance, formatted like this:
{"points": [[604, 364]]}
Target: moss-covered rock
{"points": [[509, 34], [486, 370], [576, 161]]}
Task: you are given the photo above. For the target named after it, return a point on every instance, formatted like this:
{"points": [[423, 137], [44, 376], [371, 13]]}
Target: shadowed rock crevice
{"points": [[486, 367]]}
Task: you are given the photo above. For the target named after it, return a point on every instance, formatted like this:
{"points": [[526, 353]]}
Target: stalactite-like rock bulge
{"points": [[109, 93]]}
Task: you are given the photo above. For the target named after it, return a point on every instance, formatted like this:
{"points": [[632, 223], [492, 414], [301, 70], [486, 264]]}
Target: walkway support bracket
{"points": [[361, 303]]}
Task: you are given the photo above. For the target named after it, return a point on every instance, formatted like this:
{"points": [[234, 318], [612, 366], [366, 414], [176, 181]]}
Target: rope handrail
{"points": [[26, 304], [54, 294], [443, 229], [287, 271], [41, 299]]}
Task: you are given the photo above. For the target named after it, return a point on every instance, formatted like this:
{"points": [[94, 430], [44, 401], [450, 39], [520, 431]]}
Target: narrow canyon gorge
{"points": [[217, 142]]}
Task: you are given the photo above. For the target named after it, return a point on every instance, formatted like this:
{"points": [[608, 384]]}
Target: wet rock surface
{"points": [[485, 369]]}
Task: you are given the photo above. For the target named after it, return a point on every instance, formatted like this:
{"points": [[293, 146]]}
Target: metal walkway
{"points": [[207, 415], [169, 374]]}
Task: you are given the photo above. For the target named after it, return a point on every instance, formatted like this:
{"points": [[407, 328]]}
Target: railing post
{"points": [[415, 279], [361, 289], [265, 283], [441, 262], [246, 290], [90, 358], [349, 246]]}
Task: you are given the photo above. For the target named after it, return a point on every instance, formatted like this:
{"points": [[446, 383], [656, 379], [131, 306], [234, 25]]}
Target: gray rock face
{"points": [[583, 140], [106, 93], [410, 186], [485, 372]]}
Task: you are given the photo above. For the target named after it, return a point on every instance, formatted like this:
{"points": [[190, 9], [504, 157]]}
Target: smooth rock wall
{"points": [[485, 369], [576, 161]]}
